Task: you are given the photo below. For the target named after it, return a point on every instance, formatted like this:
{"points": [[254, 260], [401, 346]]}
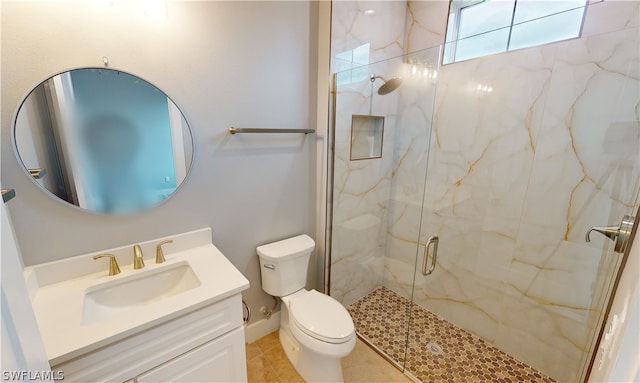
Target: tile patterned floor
{"points": [[267, 362], [458, 356]]}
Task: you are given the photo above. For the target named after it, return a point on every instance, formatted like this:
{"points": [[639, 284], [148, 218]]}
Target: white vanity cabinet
{"points": [[206, 345], [175, 321], [220, 360]]}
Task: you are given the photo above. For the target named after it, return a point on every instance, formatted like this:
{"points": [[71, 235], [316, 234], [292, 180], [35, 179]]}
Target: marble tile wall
{"points": [[515, 177], [362, 188], [393, 28], [412, 140], [361, 191], [480, 157], [425, 24], [383, 29], [585, 174]]}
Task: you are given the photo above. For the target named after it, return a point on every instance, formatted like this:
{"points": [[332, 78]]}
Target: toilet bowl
{"points": [[316, 331]]}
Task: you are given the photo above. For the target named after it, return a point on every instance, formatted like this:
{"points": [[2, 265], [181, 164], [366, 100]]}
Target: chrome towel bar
{"points": [[234, 130]]}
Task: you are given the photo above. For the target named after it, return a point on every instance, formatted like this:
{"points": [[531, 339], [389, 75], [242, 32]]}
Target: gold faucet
{"points": [[138, 262], [114, 269], [159, 253]]}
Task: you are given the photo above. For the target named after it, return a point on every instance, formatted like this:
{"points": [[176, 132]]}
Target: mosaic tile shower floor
{"points": [[457, 356]]}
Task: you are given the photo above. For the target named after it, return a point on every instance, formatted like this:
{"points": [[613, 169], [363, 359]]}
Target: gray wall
{"points": [[247, 64]]}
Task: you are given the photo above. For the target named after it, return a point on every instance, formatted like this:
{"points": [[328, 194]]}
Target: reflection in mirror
{"points": [[108, 141]]}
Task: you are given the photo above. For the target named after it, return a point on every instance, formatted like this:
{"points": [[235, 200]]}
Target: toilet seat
{"points": [[321, 317]]}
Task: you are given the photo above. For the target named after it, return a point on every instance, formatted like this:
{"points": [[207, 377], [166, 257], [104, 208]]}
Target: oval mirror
{"points": [[103, 140]]}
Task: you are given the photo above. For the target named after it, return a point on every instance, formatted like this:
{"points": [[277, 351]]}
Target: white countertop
{"points": [[57, 291]]}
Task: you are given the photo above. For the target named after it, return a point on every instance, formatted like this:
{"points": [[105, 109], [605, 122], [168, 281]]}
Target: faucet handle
{"points": [[138, 262], [159, 253], [114, 269]]}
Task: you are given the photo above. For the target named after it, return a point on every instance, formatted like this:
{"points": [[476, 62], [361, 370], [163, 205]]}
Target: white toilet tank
{"points": [[283, 264]]}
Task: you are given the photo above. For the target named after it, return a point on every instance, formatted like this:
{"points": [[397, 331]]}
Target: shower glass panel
{"points": [[377, 201], [526, 157], [509, 159]]}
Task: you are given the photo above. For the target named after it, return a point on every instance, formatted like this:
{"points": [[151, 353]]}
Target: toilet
{"points": [[316, 331]]}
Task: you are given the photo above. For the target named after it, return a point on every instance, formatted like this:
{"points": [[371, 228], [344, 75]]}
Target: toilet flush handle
{"points": [[269, 266]]}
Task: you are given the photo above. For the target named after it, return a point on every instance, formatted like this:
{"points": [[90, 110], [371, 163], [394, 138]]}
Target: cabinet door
{"points": [[220, 360]]}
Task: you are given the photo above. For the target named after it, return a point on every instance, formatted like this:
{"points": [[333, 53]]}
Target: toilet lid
{"points": [[322, 317]]}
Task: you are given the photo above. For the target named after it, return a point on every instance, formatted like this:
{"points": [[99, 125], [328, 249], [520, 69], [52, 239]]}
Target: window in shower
{"points": [[483, 27], [357, 60]]}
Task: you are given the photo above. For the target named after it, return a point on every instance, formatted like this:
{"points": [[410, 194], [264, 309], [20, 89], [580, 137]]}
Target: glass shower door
{"points": [[381, 135], [526, 156], [363, 141]]}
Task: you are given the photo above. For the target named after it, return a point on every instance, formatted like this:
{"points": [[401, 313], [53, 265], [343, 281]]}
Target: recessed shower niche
{"points": [[366, 137]]}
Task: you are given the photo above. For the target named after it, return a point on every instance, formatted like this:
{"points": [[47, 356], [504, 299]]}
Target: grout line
{"points": [[462, 356]]}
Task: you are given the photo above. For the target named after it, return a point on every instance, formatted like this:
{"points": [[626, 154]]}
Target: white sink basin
{"points": [[103, 300], [80, 308]]}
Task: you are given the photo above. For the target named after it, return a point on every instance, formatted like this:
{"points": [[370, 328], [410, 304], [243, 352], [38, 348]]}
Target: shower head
{"points": [[388, 86]]}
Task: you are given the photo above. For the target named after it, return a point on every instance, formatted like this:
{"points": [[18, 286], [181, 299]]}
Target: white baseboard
{"points": [[263, 327]]}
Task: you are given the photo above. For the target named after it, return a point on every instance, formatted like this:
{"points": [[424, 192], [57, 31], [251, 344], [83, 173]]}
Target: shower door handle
{"points": [[432, 240], [619, 234]]}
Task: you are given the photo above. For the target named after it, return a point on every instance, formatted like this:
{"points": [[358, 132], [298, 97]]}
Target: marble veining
{"points": [[352, 27], [425, 25], [361, 190], [510, 179]]}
